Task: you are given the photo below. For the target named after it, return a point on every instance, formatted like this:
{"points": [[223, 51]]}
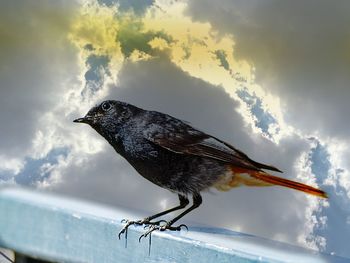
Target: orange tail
{"points": [[275, 180]]}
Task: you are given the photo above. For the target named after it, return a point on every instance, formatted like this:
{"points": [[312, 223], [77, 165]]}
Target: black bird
{"points": [[172, 154]]}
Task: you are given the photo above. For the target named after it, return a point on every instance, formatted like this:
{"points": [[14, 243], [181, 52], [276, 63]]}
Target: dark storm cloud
{"points": [[301, 51]]}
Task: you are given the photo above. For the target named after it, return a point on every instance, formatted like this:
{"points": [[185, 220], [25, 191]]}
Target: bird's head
{"points": [[108, 115]]}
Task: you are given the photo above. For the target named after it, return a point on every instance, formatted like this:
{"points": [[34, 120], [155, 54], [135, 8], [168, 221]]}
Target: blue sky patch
{"points": [[32, 172], [337, 229], [263, 118], [139, 7], [94, 76]]}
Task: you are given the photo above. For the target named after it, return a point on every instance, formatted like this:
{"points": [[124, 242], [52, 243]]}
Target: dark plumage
{"points": [[178, 157]]}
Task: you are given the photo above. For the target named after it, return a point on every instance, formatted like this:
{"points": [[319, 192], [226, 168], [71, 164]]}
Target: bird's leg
{"points": [[183, 203], [147, 221], [197, 200]]}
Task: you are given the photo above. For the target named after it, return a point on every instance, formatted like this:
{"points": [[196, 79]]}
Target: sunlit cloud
{"points": [[165, 30]]}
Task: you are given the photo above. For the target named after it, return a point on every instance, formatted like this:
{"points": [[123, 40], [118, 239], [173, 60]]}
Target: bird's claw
{"points": [[125, 228], [155, 223], [176, 228], [141, 222], [155, 227], [149, 231]]}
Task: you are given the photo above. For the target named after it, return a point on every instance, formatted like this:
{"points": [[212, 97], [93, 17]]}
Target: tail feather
{"points": [[288, 183], [275, 180]]}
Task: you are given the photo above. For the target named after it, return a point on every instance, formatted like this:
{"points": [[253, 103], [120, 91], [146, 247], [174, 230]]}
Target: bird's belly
{"points": [[181, 173]]}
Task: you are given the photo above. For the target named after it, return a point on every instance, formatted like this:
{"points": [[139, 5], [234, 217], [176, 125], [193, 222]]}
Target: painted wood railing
{"points": [[59, 229]]}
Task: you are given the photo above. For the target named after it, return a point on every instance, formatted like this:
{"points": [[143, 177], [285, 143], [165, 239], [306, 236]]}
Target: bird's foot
{"points": [[141, 222], [158, 227]]}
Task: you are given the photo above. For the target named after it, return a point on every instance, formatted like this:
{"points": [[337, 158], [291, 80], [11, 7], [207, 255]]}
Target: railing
{"points": [[65, 230]]}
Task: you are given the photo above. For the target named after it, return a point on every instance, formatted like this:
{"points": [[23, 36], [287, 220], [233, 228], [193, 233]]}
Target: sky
{"points": [[270, 77]]}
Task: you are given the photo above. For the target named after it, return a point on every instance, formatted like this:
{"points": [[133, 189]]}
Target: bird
{"points": [[172, 154]]}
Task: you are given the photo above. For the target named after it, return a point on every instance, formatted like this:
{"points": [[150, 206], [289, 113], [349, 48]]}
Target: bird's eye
{"points": [[106, 106]]}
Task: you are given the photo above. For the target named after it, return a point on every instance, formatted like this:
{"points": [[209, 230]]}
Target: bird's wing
{"points": [[184, 139]]}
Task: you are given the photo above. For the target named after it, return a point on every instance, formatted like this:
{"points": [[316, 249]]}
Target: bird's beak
{"points": [[86, 119]]}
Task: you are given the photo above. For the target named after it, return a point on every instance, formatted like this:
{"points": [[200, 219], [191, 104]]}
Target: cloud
{"points": [[40, 91], [300, 53], [33, 50]]}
